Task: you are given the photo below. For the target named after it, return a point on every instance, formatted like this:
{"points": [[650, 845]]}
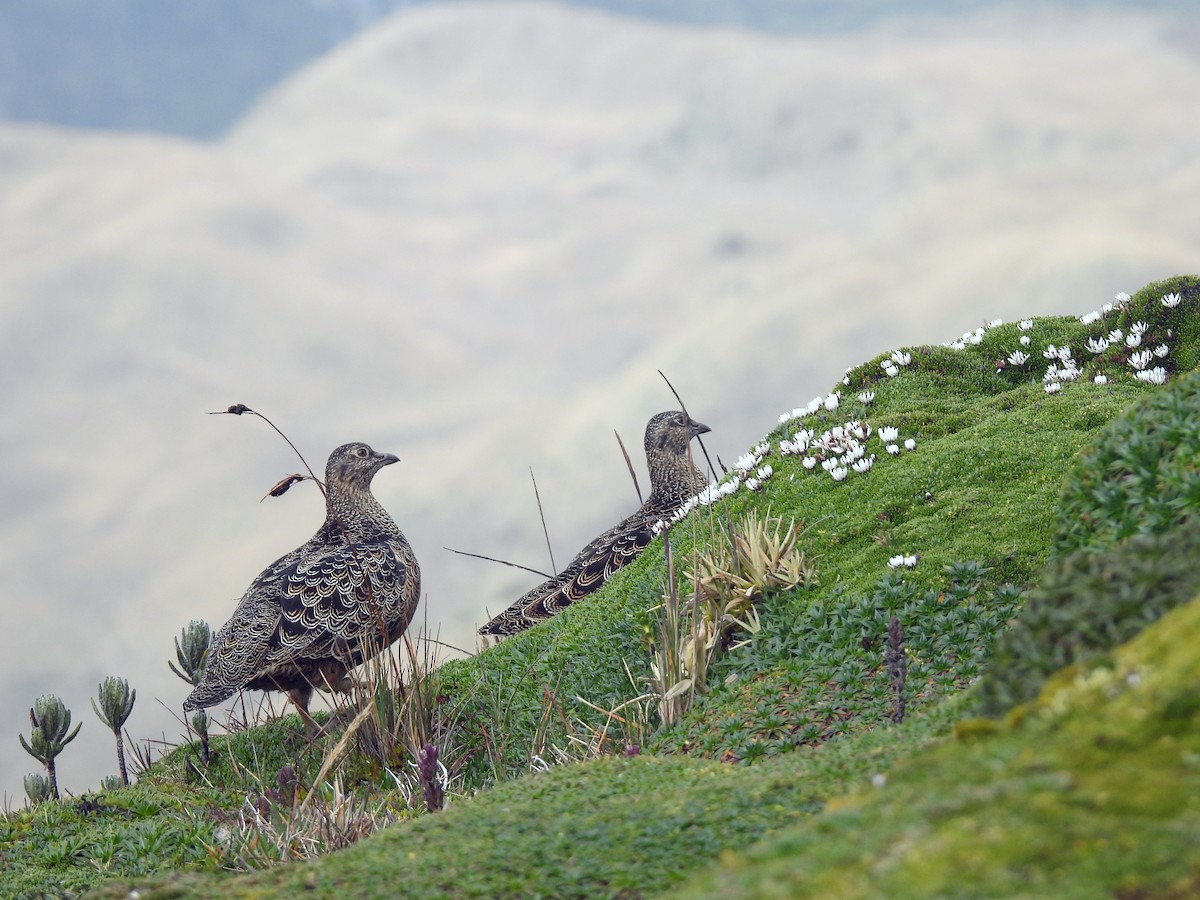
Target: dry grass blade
{"points": [[502, 562], [629, 465], [699, 440], [542, 516]]}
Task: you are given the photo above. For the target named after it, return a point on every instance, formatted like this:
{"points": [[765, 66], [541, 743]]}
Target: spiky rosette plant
{"points": [[37, 788], [116, 703], [191, 651], [51, 733]]}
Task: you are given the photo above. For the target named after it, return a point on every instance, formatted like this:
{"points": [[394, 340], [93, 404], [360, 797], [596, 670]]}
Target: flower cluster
{"points": [[975, 338], [830, 403], [892, 365], [903, 561], [1142, 349]]}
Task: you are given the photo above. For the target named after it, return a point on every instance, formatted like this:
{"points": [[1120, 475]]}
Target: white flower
{"points": [[795, 446], [866, 398], [1025, 324], [752, 484], [975, 339], [1133, 339], [903, 561], [1068, 373], [762, 448], [785, 417], [995, 323], [910, 444], [846, 381], [1051, 374], [1121, 298], [1024, 340], [901, 358], [1101, 379], [809, 462], [1170, 301], [956, 345], [860, 430], [1053, 387], [1107, 308], [747, 461], [1138, 328], [1157, 375], [1141, 359], [829, 463], [814, 404], [765, 472], [1115, 335], [892, 449], [889, 368], [1090, 317], [839, 473], [1096, 345], [1161, 350], [1018, 358], [831, 402], [863, 465], [887, 433], [878, 780], [1051, 352]]}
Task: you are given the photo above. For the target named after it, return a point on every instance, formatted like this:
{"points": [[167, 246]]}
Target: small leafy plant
{"points": [[116, 704], [51, 733]]}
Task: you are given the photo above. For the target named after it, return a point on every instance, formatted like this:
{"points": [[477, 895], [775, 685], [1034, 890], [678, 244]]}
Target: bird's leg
{"points": [[300, 697]]}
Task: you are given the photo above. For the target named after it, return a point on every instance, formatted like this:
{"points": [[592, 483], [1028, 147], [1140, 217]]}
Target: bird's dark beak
{"points": [[698, 427], [386, 459]]}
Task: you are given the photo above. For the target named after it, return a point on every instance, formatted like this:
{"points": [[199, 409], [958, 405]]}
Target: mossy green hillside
{"points": [[628, 826], [1128, 529], [981, 486], [975, 500], [1090, 792]]}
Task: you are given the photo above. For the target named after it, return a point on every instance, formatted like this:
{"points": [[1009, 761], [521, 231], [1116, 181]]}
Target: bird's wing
{"points": [[590, 568], [334, 602], [596, 563], [305, 604]]}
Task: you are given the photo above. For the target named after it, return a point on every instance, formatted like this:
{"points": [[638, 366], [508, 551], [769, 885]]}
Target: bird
{"points": [[673, 480], [319, 611]]}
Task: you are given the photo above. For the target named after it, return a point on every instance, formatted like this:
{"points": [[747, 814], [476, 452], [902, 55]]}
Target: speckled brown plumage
{"points": [[673, 479], [321, 610]]}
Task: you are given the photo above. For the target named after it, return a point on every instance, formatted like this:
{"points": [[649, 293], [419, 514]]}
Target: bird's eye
{"points": [[361, 452]]}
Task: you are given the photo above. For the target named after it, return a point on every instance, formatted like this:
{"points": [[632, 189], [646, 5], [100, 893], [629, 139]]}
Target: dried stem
{"points": [[241, 409], [542, 516], [897, 668], [699, 440], [502, 562], [629, 465]]}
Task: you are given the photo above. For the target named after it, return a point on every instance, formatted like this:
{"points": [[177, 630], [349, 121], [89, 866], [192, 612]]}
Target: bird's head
{"points": [[672, 431], [356, 464]]}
